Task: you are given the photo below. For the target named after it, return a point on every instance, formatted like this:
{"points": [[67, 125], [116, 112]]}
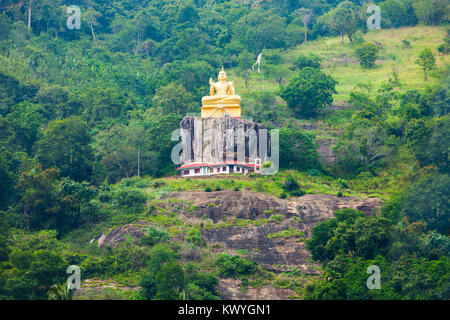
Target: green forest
{"points": [[86, 116]]}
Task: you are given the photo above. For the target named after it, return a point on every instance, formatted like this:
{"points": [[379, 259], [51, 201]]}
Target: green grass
{"points": [[339, 61], [286, 234], [272, 185]]}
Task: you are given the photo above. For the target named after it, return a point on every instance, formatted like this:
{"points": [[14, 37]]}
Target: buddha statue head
{"points": [[222, 75]]}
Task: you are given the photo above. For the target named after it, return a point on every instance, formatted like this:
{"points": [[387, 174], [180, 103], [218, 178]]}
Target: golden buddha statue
{"points": [[225, 101]]}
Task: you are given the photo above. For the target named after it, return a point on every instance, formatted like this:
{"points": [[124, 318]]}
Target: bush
{"points": [[297, 193], [154, 236], [367, 54], [406, 44], [313, 172], [290, 184], [358, 38], [233, 266], [201, 286], [443, 48], [433, 149], [208, 189], [277, 218], [303, 61], [297, 150], [129, 198], [428, 200], [343, 183], [170, 281], [283, 195], [272, 56], [194, 236]]}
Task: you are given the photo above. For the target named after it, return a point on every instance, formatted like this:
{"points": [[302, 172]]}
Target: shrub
{"points": [[283, 195], [358, 38], [313, 172], [406, 44], [286, 234], [129, 198], [267, 164], [208, 189], [343, 183], [276, 218], [158, 184], [303, 61], [427, 200], [298, 150], [170, 281], [218, 188], [297, 193], [290, 184], [367, 54], [194, 236], [443, 48], [154, 236], [272, 56], [232, 266]]}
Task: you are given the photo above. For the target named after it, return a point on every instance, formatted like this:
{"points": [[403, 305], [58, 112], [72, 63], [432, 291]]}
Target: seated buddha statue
{"points": [[224, 93]]}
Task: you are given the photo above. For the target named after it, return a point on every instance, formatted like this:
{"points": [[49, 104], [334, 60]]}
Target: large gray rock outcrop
{"points": [[215, 140]]}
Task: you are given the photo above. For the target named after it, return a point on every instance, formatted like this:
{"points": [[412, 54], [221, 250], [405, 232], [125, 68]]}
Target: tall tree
{"points": [[306, 16], [426, 60], [30, 5], [66, 145], [308, 92], [91, 17], [343, 19]]}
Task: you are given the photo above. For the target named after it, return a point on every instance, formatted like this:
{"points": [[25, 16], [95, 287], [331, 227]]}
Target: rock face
{"points": [[221, 209], [236, 220], [115, 236], [299, 213], [229, 289], [326, 154], [215, 140]]}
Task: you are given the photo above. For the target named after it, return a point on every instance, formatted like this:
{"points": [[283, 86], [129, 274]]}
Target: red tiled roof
{"points": [[227, 163]]}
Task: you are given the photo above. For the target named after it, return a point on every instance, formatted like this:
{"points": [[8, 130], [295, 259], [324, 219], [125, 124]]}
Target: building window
{"points": [[218, 169], [197, 170], [211, 170], [238, 169], [185, 172], [224, 169]]}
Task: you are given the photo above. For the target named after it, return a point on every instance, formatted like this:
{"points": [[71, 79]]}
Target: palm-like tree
{"points": [[60, 292]]}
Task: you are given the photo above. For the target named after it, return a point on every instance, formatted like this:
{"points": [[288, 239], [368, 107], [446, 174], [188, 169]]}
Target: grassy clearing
{"points": [[339, 61], [272, 185]]}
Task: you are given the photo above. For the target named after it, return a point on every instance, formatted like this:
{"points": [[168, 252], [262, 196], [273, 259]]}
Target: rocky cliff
{"points": [[236, 220], [215, 140], [218, 212]]}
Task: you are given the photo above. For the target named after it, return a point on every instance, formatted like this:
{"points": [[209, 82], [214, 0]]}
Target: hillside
{"points": [[340, 62], [87, 180]]}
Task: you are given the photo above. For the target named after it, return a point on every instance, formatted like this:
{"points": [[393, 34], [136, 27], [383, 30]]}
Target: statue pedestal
{"points": [[220, 110]]}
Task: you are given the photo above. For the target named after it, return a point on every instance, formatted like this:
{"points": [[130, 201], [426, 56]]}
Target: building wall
{"points": [[206, 171]]}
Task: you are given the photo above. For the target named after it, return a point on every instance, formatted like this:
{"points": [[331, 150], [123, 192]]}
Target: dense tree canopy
{"points": [[309, 92], [65, 144]]}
